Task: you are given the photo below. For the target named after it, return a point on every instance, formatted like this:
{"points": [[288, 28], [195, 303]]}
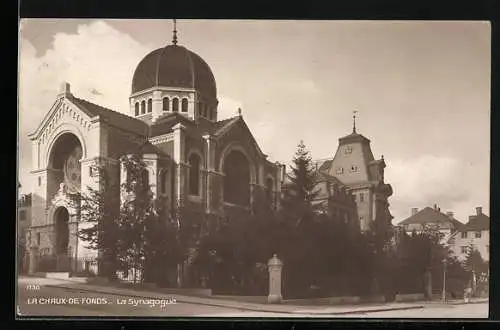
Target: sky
{"points": [[421, 89]]}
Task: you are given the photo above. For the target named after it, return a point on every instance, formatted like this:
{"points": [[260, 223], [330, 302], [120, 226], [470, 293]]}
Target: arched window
{"points": [[143, 107], [163, 181], [137, 108], [150, 105], [145, 179], [269, 191], [166, 104], [175, 105], [184, 105], [237, 179], [194, 174]]}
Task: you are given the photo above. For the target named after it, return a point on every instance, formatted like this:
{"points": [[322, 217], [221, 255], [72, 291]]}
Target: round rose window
{"points": [[73, 170]]}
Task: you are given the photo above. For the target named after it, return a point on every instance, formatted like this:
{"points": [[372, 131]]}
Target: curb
{"points": [[361, 311], [182, 299], [241, 307]]}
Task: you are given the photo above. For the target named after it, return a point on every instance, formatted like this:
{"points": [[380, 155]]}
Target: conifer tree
{"points": [[300, 192]]}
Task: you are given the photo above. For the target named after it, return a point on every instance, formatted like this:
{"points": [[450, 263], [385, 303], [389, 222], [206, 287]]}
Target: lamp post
{"points": [[444, 281]]}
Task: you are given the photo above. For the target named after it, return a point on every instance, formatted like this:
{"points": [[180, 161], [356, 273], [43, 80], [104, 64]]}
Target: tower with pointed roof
{"points": [[356, 167]]}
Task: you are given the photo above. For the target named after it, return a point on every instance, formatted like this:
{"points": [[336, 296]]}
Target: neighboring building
{"points": [[475, 233], [336, 198], [431, 218], [362, 175], [23, 224], [24, 216], [211, 166]]}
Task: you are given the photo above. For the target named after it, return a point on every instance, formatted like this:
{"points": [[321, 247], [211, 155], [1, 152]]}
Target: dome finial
{"points": [[174, 40], [354, 121]]}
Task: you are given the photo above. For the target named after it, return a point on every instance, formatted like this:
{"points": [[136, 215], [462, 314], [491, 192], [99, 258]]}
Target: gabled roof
{"points": [[115, 118], [478, 223], [147, 148], [165, 123], [430, 216]]}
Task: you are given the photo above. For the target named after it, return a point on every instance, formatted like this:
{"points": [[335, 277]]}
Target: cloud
{"points": [[425, 181], [98, 61]]}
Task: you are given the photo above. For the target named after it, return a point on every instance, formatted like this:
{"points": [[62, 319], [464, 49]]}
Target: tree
{"points": [[137, 221], [476, 268], [98, 211], [300, 192]]}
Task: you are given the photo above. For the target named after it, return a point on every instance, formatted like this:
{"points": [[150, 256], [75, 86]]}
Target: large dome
{"points": [[174, 66]]}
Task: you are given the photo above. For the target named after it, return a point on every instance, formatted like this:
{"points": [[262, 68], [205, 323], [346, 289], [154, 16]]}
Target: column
{"points": [[275, 266], [210, 171], [157, 105]]}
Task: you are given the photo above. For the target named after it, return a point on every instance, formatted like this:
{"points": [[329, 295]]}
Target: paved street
{"points": [[37, 299]]}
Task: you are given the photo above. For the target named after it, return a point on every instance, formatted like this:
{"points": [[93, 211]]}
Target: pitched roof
{"points": [[325, 166], [431, 216], [147, 148], [353, 137], [113, 117], [321, 177], [477, 223]]}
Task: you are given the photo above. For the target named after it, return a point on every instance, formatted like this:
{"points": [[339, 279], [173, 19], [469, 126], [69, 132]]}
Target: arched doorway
{"points": [[237, 179], [64, 163], [61, 248]]}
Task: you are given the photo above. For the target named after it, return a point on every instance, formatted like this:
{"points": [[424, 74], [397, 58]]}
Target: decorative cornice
{"points": [[163, 89], [162, 138], [59, 109]]}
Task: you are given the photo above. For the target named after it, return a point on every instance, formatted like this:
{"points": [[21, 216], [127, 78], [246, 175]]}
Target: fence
{"points": [[134, 275]]}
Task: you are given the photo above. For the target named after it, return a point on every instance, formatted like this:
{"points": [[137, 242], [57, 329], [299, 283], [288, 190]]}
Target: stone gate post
{"points": [[33, 259], [274, 267]]}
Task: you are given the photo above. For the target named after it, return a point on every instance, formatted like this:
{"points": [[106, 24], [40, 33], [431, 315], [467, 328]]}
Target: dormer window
{"points": [[348, 150], [340, 170], [354, 168]]}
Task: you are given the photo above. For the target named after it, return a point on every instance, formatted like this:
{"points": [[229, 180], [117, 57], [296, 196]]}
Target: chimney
{"points": [[479, 210], [450, 215], [414, 211], [65, 89]]}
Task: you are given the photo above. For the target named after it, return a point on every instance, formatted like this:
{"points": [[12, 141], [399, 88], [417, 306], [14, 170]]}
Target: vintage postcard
{"points": [[253, 168]]}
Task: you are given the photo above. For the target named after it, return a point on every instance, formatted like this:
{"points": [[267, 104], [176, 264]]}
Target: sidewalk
{"points": [[217, 302]]}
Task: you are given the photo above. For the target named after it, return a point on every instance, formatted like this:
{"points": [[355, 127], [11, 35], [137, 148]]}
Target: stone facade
{"points": [[192, 158], [363, 176], [475, 233]]}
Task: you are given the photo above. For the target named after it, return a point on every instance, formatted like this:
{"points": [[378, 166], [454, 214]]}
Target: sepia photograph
{"points": [[253, 168]]}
